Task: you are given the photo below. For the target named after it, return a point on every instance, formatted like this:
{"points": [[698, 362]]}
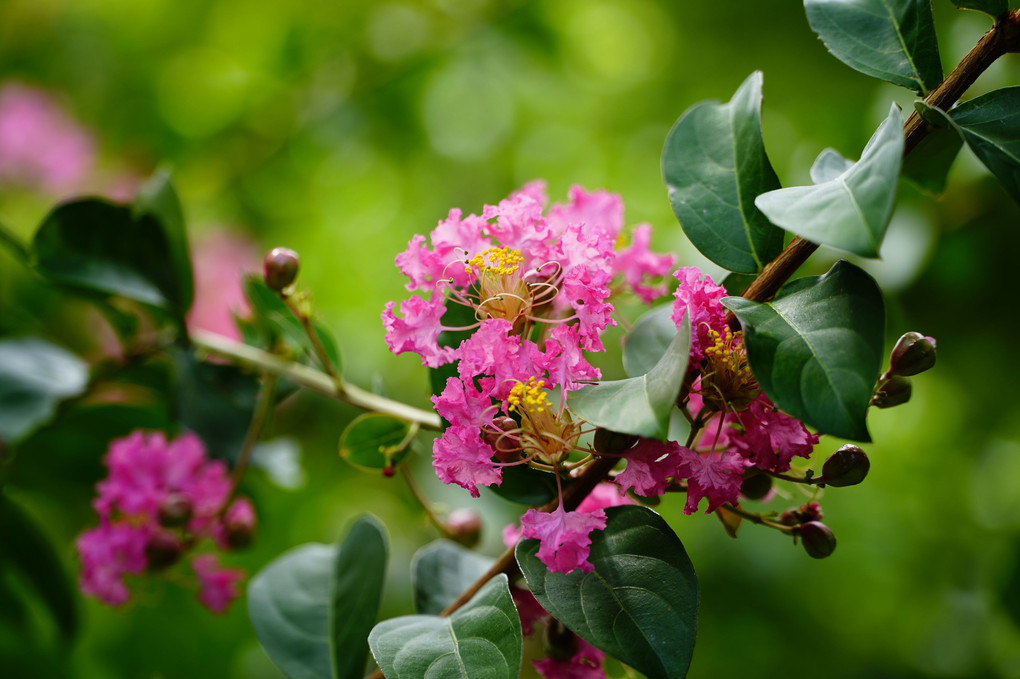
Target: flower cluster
{"points": [[160, 500]]}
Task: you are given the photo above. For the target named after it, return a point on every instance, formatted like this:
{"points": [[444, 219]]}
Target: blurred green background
{"points": [[341, 129]]}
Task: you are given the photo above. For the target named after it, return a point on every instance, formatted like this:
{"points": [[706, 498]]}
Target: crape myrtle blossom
{"points": [[160, 499]]}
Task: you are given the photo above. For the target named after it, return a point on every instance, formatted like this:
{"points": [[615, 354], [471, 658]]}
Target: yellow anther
{"points": [[531, 393], [502, 261]]}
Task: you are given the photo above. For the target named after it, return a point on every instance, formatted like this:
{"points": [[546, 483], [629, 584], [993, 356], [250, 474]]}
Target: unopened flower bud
{"points": [[894, 391], [502, 435], [389, 470], [914, 353], [756, 486], [818, 539], [175, 510], [280, 268], [560, 643], [847, 467], [239, 524], [162, 550], [609, 442], [463, 525], [812, 511]]}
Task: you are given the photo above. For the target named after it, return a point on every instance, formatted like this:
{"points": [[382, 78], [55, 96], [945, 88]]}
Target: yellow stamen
{"points": [[502, 261], [530, 396]]}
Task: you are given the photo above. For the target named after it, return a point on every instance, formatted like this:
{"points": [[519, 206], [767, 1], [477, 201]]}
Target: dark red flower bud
{"points": [[818, 539], [913, 354], [163, 550], [389, 470], [812, 511], [612, 442], [280, 268], [560, 643], [502, 435], [175, 510], [463, 525], [894, 391], [756, 486], [847, 467]]}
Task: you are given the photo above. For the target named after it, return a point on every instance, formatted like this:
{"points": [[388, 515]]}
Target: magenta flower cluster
{"points": [[161, 500]]}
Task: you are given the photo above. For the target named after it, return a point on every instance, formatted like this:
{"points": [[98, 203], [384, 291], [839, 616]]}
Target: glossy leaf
{"points": [[714, 164], [375, 441], [991, 127], [639, 604], [892, 40], [313, 607], [480, 640], [993, 8], [928, 164], [99, 246], [852, 210], [736, 283], [157, 199], [817, 348], [648, 340], [441, 571], [639, 405], [526, 486], [35, 376]]}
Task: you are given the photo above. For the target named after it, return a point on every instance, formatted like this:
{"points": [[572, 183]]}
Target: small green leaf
{"points": [[993, 8], [817, 348], [525, 486], [639, 405], [852, 210], [441, 571], [639, 604], [313, 607], [714, 164], [158, 199], [481, 640], [648, 340], [35, 376], [927, 166], [892, 40], [375, 441], [991, 127], [828, 165]]}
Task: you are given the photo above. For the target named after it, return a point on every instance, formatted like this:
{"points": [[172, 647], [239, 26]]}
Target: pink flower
{"points": [[461, 456], [770, 439], [564, 537], [418, 330], [108, 552], [462, 403], [217, 585], [491, 351], [637, 263], [586, 663], [717, 476], [528, 609], [650, 465], [220, 260], [563, 359], [700, 299], [603, 495]]}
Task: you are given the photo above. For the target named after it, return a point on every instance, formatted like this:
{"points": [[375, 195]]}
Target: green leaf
{"points": [[481, 640], [313, 607], [35, 375], [95, 245], [648, 340], [828, 165], [639, 604], [525, 486], [441, 571], [375, 441], [852, 210], [639, 405], [991, 127], [714, 164], [892, 40], [27, 552], [993, 8], [158, 199], [927, 166], [736, 283], [817, 348]]}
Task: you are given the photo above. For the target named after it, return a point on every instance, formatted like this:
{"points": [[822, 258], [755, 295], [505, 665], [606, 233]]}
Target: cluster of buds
{"points": [[161, 500], [913, 354]]}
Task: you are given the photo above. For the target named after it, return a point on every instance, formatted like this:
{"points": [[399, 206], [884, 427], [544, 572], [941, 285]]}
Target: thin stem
{"points": [[263, 409], [810, 481], [419, 496], [759, 519], [313, 337], [310, 378]]}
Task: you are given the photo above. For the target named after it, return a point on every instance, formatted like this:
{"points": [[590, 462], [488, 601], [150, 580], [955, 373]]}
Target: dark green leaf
{"points": [[639, 405], [27, 552], [889, 39], [852, 210], [35, 376], [312, 608], [96, 245], [375, 441], [714, 164], [481, 640], [639, 604], [525, 486], [991, 127], [736, 283], [158, 199], [817, 348], [441, 571], [14, 245], [928, 164], [648, 340], [993, 8]]}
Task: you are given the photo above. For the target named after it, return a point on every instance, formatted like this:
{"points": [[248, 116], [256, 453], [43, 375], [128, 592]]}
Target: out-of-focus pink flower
{"points": [[217, 585], [109, 552], [769, 438], [564, 536], [699, 297], [650, 464], [41, 147], [220, 260], [586, 663]]}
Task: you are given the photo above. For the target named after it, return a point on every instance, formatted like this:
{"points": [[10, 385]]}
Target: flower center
{"points": [[728, 382]]}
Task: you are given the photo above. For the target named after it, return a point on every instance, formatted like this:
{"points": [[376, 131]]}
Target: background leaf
{"points": [[993, 8], [817, 348], [312, 607], [889, 39], [441, 571], [648, 340], [928, 164], [374, 441], [639, 405], [852, 210], [639, 604], [991, 127], [714, 165], [35, 376], [158, 199], [480, 640]]}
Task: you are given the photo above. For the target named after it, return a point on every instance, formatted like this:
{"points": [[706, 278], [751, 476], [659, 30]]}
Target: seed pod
{"points": [[463, 525], [756, 486], [609, 442], [280, 268], [818, 539], [498, 435], [846, 467], [894, 391], [162, 550], [913, 354]]}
